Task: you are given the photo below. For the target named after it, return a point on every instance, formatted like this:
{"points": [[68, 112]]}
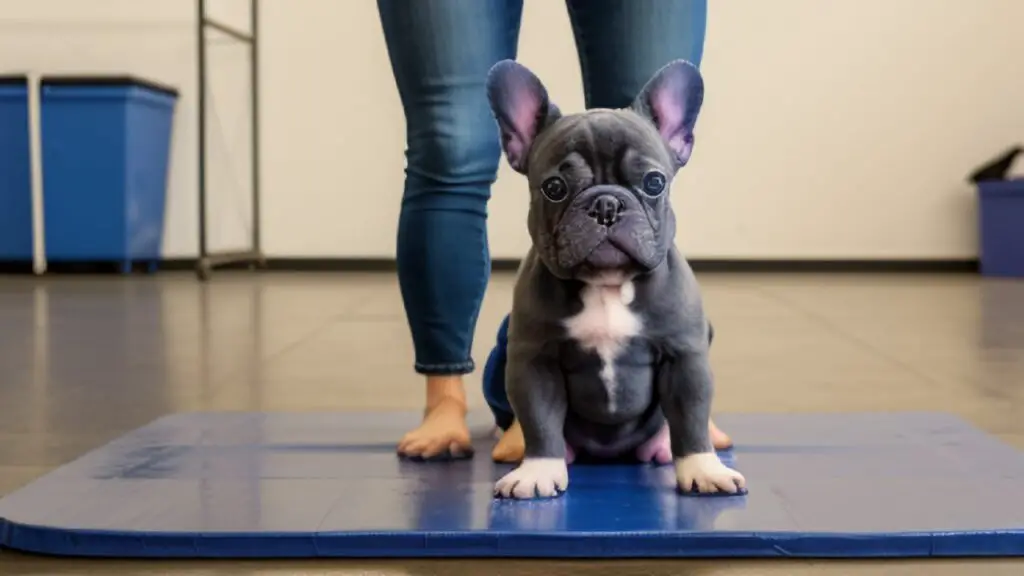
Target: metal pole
{"points": [[201, 103], [255, 79], [207, 261], [35, 137]]}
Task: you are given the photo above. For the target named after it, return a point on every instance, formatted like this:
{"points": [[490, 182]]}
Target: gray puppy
{"points": [[608, 342]]}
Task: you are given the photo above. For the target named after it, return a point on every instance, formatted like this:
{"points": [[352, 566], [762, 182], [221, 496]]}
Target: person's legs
{"points": [[441, 52], [494, 380], [511, 446], [621, 44]]}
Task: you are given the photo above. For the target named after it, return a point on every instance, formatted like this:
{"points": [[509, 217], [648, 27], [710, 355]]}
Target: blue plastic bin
{"points": [[106, 148], [15, 171], [1001, 214]]}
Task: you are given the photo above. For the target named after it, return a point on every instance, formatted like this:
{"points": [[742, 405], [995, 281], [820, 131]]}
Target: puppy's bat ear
{"points": [[521, 106], [671, 100]]}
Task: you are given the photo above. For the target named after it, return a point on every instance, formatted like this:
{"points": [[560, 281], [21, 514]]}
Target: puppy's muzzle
{"points": [[605, 227]]}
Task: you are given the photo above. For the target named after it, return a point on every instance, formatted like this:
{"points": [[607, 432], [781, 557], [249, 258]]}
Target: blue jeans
{"points": [[440, 52]]}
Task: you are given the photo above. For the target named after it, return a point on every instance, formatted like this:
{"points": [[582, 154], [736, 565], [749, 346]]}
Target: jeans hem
{"points": [[452, 369]]}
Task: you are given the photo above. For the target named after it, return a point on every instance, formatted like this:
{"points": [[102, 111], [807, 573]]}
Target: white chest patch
{"points": [[604, 327]]}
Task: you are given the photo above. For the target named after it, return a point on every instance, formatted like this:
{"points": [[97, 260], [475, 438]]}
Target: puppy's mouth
{"points": [[608, 256], [607, 265]]}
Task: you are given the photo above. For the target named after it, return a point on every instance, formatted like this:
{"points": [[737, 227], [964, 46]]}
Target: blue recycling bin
{"points": [[105, 147], [1001, 224], [15, 171]]}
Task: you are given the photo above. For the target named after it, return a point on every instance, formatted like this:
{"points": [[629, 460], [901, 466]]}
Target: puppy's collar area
{"points": [[614, 285], [608, 278]]}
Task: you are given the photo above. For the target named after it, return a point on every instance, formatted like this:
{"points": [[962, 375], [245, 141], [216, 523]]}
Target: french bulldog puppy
{"points": [[608, 341]]}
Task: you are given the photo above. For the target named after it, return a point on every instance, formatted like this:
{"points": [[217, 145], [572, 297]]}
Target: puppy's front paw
{"points": [[704, 473], [534, 478]]}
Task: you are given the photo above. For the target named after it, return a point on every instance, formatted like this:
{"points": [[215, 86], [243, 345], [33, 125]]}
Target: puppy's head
{"points": [[599, 180]]}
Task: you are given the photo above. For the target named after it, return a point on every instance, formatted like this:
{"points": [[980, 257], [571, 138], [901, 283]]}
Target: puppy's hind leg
{"points": [[657, 450]]}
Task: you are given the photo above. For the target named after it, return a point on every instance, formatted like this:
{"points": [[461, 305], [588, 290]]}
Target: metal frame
{"points": [[35, 138], [254, 257]]}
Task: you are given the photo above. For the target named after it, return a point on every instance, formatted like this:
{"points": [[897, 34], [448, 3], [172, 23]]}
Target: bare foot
{"points": [[511, 446], [720, 440], [443, 432], [658, 450]]}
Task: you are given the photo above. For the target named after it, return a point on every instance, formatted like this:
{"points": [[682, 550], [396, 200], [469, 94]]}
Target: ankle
{"points": [[445, 390]]}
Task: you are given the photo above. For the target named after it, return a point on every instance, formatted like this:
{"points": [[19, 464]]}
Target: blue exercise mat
{"points": [[245, 485]]}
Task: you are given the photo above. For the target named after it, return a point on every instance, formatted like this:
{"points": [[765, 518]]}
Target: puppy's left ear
{"points": [[671, 100], [521, 106]]}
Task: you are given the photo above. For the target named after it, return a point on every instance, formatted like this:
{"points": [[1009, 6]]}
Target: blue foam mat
{"points": [[245, 485]]}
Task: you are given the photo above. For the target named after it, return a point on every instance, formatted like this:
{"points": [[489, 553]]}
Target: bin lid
{"points": [[1012, 187], [107, 80]]}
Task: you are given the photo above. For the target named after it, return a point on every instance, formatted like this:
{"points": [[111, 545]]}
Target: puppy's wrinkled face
{"points": [[599, 186], [599, 180]]}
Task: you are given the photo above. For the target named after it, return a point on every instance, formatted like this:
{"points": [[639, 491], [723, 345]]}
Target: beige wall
{"points": [[832, 128]]}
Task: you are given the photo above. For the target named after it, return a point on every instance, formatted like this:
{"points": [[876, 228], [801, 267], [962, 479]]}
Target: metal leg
{"points": [[203, 269], [36, 165], [254, 257]]}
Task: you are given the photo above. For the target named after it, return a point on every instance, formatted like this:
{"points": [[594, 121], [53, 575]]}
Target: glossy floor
{"points": [[83, 360]]}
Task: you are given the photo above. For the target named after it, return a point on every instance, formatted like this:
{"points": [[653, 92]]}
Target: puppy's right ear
{"points": [[521, 107]]}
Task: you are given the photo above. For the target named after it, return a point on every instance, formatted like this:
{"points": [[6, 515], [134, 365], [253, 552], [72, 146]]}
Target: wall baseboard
{"points": [[782, 266], [698, 264], [854, 266]]}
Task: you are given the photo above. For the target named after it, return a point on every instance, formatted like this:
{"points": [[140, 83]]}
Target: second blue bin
{"points": [[15, 173], [106, 148], [1001, 223]]}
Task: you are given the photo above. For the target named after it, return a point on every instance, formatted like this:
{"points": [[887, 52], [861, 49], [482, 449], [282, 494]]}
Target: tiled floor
{"points": [[83, 360]]}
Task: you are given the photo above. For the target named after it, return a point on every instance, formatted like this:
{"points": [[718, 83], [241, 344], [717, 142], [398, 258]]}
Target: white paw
{"points": [[534, 478], [704, 473]]}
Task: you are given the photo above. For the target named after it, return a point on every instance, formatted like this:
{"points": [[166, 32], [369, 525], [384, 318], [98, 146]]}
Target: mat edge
{"points": [[623, 545]]}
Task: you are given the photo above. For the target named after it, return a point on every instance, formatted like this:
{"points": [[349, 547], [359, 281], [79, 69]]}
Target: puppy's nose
{"points": [[606, 209]]}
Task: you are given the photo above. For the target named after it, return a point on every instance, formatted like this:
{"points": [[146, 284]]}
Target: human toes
{"points": [[719, 439], [429, 442], [511, 446]]}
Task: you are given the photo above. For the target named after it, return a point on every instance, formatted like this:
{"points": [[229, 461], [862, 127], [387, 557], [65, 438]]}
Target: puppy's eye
{"points": [[654, 183], [554, 189]]}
